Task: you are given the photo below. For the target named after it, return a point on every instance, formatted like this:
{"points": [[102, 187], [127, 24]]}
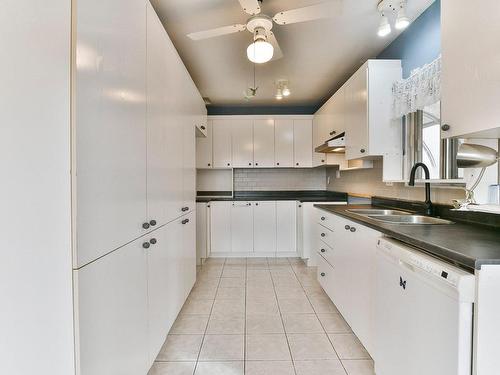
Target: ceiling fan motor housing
{"points": [[259, 21]]}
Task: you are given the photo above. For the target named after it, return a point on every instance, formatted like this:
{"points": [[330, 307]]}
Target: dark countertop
{"points": [[300, 195], [464, 244]]}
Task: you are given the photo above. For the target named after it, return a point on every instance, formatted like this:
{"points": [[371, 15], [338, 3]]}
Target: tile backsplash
{"points": [[279, 179]]}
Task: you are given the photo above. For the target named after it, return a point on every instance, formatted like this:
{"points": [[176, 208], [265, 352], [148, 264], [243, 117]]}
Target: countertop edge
{"points": [[456, 258]]}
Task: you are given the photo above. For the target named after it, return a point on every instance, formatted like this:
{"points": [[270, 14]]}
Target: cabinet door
{"points": [[220, 227], [221, 132], [356, 105], [241, 227], [318, 158], [283, 139], [164, 282], [158, 173], [242, 143], [302, 141], [188, 255], [110, 116], [470, 74], [263, 143], [189, 167], [201, 232], [112, 301], [204, 149], [264, 227], [286, 226]]}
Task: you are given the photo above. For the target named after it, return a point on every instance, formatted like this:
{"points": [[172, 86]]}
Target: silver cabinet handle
{"points": [[323, 234], [323, 250], [323, 218], [323, 274], [152, 223], [352, 229], [184, 209], [146, 245], [347, 227], [152, 241], [145, 225], [445, 127], [185, 221]]}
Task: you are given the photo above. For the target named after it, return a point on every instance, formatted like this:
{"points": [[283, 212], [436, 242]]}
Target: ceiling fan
{"points": [[265, 47]]}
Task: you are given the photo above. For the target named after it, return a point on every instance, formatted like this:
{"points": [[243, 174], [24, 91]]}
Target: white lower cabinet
{"points": [[112, 313], [202, 232], [127, 301], [349, 250], [241, 227], [244, 228], [264, 227], [220, 227], [286, 226]]}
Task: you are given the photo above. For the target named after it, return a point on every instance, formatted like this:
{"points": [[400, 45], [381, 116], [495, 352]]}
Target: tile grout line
{"points": [[322, 326], [281, 317], [209, 316]]}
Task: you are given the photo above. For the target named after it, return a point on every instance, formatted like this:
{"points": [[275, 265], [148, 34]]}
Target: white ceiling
{"points": [[318, 55]]}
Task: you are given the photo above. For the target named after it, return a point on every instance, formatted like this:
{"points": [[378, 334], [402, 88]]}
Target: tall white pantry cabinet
{"points": [[101, 125]]}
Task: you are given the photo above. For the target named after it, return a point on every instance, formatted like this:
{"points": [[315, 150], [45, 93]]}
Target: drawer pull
{"points": [[152, 241], [146, 245], [347, 227], [323, 274], [323, 234], [323, 250], [323, 218], [145, 225], [352, 229]]}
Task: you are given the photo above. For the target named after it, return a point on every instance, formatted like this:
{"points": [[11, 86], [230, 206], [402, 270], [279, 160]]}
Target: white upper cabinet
{"points": [[158, 171], [242, 143], [370, 128], [204, 149], [110, 125], [189, 167], [470, 72], [302, 141], [263, 143], [221, 133], [283, 140], [264, 226]]}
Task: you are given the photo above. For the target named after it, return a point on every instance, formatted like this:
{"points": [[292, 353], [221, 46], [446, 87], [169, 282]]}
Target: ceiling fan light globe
{"points": [[260, 51]]}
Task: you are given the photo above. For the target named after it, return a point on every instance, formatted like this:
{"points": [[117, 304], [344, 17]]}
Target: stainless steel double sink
{"points": [[398, 217]]}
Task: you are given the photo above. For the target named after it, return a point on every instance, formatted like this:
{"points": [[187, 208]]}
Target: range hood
{"points": [[335, 145]]}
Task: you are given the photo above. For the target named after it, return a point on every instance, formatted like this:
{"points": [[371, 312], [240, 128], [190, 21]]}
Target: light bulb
{"points": [[402, 21], [385, 27], [286, 91], [279, 94], [260, 51]]}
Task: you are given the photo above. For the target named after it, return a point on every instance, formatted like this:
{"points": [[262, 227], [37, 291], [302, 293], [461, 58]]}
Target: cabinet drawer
{"points": [[326, 252], [326, 219], [325, 275], [326, 235]]}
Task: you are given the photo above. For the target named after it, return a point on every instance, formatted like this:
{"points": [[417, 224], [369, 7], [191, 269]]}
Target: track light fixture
{"points": [[282, 89], [392, 9]]}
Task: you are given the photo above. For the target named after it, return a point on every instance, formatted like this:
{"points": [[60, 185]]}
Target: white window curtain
{"points": [[421, 89]]}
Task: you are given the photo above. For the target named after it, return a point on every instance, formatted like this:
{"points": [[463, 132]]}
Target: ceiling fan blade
{"points": [[224, 30], [310, 13], [251, 7], [278, 54]]}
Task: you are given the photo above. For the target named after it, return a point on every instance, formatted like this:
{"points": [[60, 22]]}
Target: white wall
{"points": [[36, 324]]}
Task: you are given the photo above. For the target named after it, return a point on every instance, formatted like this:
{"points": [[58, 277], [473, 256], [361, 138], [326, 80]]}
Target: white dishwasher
{"points": [[423, 313]]}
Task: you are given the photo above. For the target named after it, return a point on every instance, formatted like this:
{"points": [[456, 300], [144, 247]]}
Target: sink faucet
{"points": [[428, 204]]}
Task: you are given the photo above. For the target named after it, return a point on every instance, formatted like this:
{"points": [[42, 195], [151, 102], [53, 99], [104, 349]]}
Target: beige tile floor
{"points": [[260, 316]]}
